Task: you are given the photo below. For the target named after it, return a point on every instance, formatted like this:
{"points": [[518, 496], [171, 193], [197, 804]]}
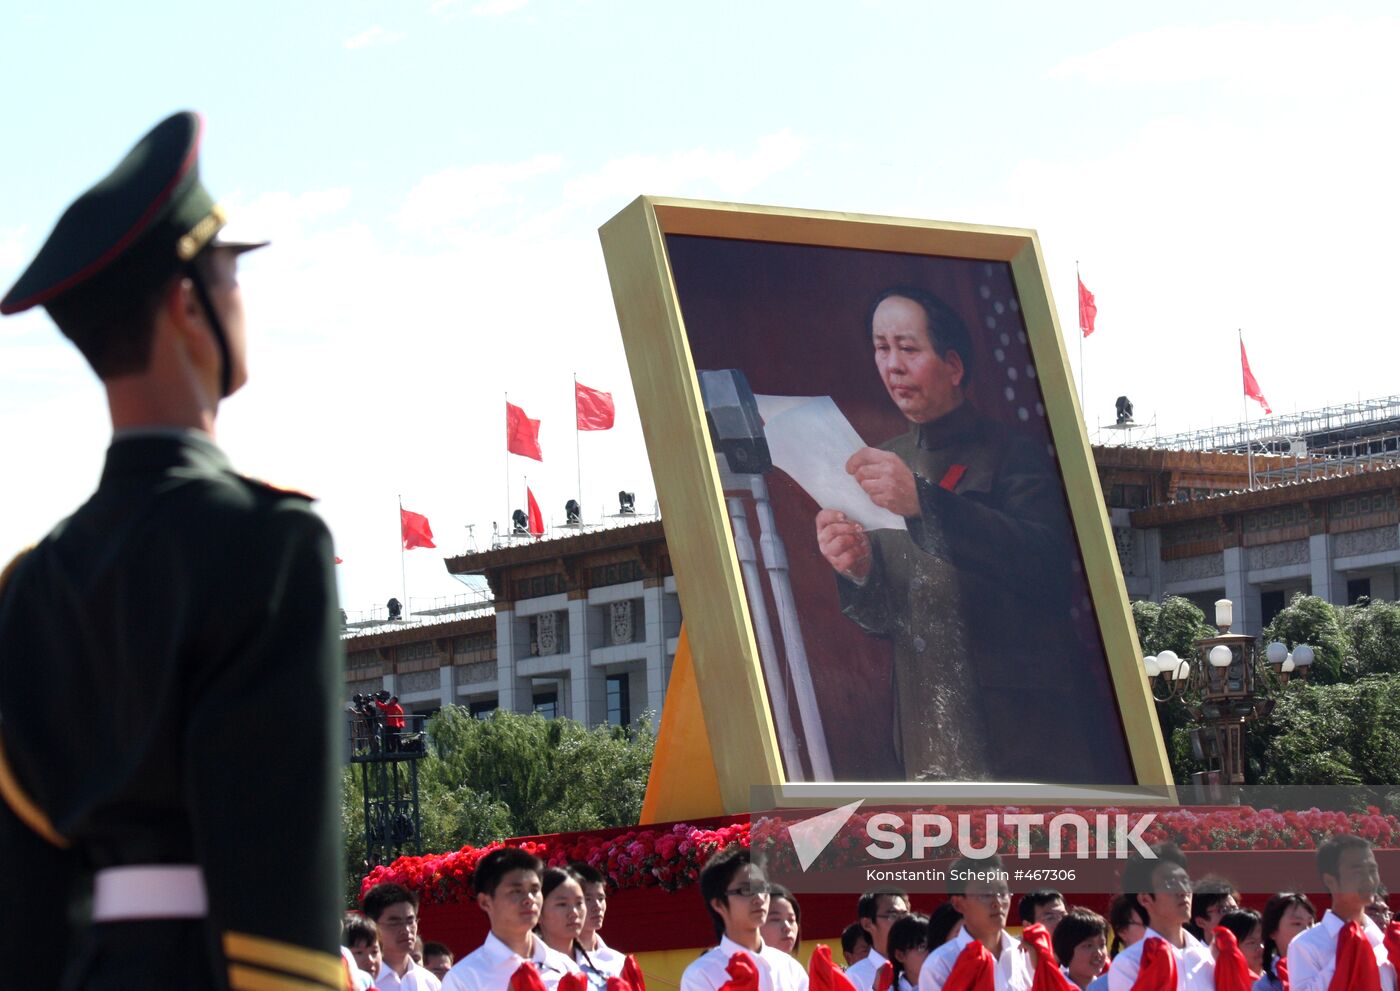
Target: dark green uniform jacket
{"points": [[169, 670], [991, 679]]}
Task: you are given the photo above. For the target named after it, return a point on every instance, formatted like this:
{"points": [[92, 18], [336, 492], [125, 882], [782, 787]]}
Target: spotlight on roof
{"points": [[1124, 408], [626, 503], [573, 513], [520, 523], [395, 608]]}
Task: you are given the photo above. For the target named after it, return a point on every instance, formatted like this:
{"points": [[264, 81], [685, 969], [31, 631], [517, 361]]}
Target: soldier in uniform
{"points": [[149, 839]]}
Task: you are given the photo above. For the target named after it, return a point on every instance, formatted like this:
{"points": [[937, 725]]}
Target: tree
{"points": [[514, 775], [1315, 622], [1340, 734], [1374, 631]]}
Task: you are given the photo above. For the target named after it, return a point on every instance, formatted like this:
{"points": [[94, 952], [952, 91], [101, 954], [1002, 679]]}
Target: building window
{"points": [[547, 704], [482, 709], [1270, 605], [1358, 588], [619, 700]]}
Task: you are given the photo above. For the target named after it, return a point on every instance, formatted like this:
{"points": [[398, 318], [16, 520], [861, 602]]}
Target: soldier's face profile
{"points": [[222, 274], [922, 384]]}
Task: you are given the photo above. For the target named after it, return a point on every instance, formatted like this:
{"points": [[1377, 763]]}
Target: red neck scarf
{"points": [[1231, 971], [631, 975], [1392, 943], [1157, 968], [823, 975], [974, 970], [526, 978], [1281, 970], [743, 973], [1356, 962], [573, 981], [1047, 969], [884, 977]]}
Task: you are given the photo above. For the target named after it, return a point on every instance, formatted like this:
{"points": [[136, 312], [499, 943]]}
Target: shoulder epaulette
{"points": [[279, 490]]}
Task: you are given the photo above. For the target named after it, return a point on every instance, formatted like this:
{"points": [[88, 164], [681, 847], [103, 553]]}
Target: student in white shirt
{"points": [[783, 930], [1348, 869], [394, 909], [908, 946], [1163, 890], [361, 937], [735, 891], [593, 955], [1286, 916], [979, 892], [1081, 945], [1128, 922], [508, 890], [876, 911]]}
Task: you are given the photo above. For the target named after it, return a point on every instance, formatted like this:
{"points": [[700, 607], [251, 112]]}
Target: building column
{"points": [[658, 666], [580, 684], [447, 688], [1324, 580], [505, 659], [1238, 590]]}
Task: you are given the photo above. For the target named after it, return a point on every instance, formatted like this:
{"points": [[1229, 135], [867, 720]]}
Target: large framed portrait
{"points": [[890, 545]]}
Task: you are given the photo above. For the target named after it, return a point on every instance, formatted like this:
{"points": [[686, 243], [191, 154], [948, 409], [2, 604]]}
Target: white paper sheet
{"points": [[810, 439]]}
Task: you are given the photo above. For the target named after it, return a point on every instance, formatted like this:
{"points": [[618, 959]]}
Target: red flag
{"points": [[632, 974], [1047, 968], [594, 408], [973, 970], [1357, 969], [884, 977], [1156, 966], [824, 975], [1231, 971], [535, 522], [1087, 309], [743, 974], [1251, 386], [522, 433], [526, 978], [1392, 942], [415, 530]]}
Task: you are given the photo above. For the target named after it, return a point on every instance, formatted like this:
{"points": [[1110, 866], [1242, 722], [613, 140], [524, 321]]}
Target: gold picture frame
{"points": [[729, 676]]}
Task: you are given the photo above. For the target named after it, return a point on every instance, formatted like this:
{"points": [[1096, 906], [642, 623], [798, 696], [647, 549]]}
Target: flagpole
{"points": [[508, 519], [403, 570], [1244, 402], [578, 458]]}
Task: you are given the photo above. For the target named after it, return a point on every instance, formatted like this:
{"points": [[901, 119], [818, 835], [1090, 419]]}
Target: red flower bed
{"points": [[669, 857]]}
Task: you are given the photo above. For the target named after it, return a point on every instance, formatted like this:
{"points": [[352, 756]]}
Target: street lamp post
{"points": [[1225, 678]]}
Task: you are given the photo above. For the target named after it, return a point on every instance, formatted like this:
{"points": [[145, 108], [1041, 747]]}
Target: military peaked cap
{"points": [[132, 231]]}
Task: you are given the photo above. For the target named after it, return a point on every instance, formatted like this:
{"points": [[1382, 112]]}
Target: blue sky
{"points": [[433, 174]]}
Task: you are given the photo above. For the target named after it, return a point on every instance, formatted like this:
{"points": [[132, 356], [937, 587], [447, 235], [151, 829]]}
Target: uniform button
{"points": [[919, 644]]}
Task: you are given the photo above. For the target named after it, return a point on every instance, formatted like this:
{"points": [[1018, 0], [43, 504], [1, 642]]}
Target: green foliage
{"points": [[514, 775], [1314, 621], [1374, 631], [1339, 734], [1176, 624]]}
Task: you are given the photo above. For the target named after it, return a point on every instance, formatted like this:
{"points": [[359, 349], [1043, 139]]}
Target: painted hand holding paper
{"points": [[810, 439]]}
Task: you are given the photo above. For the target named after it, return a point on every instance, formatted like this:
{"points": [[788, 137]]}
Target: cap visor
{"points": [[238, 247]]}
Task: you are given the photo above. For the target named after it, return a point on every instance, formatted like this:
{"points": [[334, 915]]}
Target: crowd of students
{"points": [[1162, 933]]}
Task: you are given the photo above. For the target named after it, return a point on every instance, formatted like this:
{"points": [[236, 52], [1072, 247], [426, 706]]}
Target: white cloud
{"points": [[1257, 54], [698, 170], [494, 8], [373, 36], [458, 194]]}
